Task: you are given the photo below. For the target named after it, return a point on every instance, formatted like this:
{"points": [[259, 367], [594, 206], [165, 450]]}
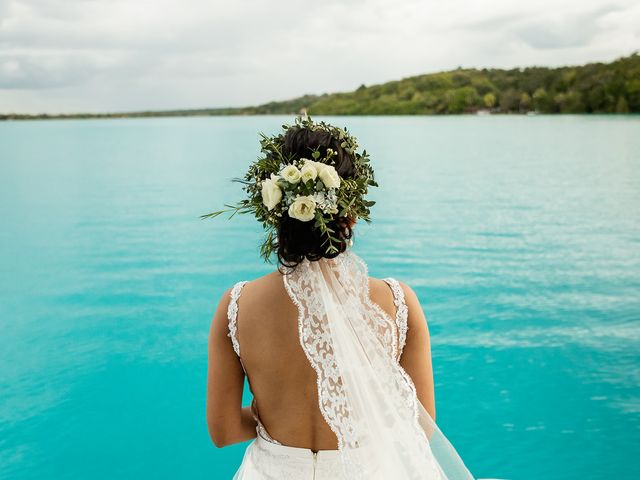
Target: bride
{"points": [[338, 363]]}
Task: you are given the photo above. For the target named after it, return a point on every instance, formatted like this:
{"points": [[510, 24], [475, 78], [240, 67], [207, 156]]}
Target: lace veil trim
{"points": [[365, 396], [318, 344]]}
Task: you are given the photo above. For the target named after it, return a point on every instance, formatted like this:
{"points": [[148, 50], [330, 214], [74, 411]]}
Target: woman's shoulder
{"points": [[269, 280], [392, 293], [388, 291], [264, 285], [244, 288], [396, 286], [257, 292]]}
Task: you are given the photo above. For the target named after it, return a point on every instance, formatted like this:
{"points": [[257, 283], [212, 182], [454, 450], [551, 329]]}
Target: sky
{"points": [[124, 55]]}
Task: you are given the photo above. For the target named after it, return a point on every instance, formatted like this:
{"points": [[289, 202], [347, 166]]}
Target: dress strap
{"points": [[401, 312], [232, 315]]}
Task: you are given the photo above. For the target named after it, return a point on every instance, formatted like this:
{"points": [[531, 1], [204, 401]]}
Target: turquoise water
{"points": [[521, 236]]}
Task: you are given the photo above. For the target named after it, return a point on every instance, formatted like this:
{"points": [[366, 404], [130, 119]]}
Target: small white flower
{"points": [[309, 170], [271, 193], [291, 174], [327, 201], [329, 176], [303, 208]]}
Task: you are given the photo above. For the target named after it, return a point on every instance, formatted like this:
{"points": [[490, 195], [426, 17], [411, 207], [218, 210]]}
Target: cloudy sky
{"points": [[118, 55]]}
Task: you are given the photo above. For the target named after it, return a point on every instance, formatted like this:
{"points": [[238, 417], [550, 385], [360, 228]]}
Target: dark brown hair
{"points": [[299, 240]]}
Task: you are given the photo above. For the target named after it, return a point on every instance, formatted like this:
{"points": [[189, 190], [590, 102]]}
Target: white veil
{"points": [[365, 396]]}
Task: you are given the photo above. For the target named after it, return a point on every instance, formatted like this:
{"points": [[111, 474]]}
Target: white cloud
{"points": [[108, 55]]}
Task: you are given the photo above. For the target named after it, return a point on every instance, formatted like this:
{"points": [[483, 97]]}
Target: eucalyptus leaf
{"points": [[350, 196]]}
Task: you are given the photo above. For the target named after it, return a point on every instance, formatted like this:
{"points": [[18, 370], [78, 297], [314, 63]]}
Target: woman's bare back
{"points": [[281, 377]]}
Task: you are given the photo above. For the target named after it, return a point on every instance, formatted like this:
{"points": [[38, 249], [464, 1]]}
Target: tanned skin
{"points": [[282, 380]]}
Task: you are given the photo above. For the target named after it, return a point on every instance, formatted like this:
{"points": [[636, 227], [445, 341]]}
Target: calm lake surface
{"points": [[520, 235]]}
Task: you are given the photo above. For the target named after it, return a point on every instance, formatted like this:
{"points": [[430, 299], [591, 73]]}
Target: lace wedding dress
{"points": [[365, 396]]}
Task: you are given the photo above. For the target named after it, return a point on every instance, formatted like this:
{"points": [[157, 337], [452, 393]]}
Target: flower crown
{"points": [[305, 189]]}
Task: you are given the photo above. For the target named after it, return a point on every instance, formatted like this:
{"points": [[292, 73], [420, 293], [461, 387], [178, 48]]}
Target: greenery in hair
{"points": [[275, 186]]}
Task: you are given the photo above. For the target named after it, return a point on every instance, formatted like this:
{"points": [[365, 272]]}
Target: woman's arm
{"points": [[228, 422], [416, 356]]}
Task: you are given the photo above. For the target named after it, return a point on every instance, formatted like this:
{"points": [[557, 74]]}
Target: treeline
{"points": [[150, 113], [593, 88]]}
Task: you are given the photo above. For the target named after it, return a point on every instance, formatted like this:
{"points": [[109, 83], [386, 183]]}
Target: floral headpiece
{"points": [[305, 189]]}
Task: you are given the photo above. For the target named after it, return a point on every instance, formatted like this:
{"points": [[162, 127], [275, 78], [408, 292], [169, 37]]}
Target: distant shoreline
{"points": [[161, 114], [594, 88], [116, 115]]}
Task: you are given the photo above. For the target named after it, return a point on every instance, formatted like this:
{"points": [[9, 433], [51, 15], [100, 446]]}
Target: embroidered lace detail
{"points": [[364, 394], [401, 312], [316, 344], [232, 315], [316, 341]]}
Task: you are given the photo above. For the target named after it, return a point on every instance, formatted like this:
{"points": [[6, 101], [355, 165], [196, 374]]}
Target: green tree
{"points": [[489, 100], [573, 103], [596, 99], [406, 92], [542, 102], [482, 84], [622, 106], [525, 102], [510, 101], [461, 100], [632, 90]]}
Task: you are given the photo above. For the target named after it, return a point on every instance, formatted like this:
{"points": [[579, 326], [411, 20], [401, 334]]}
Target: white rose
{"points": [[303, 208], [308, 171], [329, 176], [271, 193], [291, 174]]}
